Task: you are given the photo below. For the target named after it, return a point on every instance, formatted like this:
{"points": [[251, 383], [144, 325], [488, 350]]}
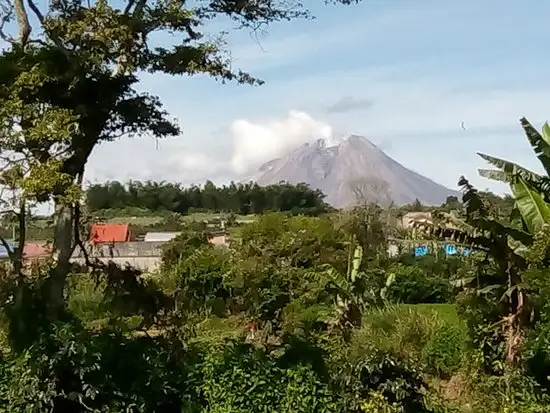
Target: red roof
{"points": [[105, 233], [36, 249]]}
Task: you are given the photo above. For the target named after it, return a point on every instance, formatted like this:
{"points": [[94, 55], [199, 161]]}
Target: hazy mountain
{"points": [[353, 170]]}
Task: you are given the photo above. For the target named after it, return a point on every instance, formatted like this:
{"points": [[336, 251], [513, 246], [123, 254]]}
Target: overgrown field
{"points": [[300, 314]]}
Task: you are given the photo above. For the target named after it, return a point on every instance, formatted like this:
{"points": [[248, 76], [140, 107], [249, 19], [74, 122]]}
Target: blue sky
{"points": [[404, 73]]}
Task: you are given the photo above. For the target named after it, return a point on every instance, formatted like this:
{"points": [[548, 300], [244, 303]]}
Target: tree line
{"points": [[240, 198]]}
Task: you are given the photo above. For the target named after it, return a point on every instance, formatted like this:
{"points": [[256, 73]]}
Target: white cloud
{"points": [[194, 162], [255, 143]]}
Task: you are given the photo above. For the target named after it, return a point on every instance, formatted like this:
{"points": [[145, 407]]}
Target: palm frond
{"points": [[540, 145], [478, 229], [509, 171], [495, 175]]}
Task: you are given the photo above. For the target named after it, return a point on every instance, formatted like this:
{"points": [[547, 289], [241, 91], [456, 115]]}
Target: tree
{"points": [[71, 85], [370, 189]]}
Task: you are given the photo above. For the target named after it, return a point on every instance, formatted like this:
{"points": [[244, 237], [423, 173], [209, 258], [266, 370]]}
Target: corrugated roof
{"points": [[36, 249], [104, 233], [160, 236]]}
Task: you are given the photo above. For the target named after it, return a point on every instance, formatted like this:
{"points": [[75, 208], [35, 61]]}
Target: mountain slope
{"points": [[356, 169]]}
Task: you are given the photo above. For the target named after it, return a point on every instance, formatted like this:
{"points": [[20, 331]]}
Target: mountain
{"points": [[354, 170]]}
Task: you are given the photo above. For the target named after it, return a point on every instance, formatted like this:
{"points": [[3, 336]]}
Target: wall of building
{"points": [[141, 263], [141, 255], [124, 249]]}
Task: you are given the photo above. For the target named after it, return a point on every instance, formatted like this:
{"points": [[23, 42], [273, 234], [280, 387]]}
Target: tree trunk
{"points": [[63, 246]]}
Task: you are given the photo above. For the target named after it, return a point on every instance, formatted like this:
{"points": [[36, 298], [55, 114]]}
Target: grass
{"points": [[446, 312], [147, 221]]}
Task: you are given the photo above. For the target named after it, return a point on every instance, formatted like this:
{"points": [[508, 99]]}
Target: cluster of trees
{"points": [[301, 314], [249, 198]]}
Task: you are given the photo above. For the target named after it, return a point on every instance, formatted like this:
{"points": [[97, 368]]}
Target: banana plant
{"points": [[509, 172], [510, 246], [351, 293]]}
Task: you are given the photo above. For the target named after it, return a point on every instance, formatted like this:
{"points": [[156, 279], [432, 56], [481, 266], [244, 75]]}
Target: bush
{"points": [[413, 285], [71, 370], [193, 237], [241, 379], [444, 350]]}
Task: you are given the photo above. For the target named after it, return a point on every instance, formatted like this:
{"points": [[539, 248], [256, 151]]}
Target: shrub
{"points": [[200, 280], [241, 379], [71, 370], [194, 236], [444, 349], [412, 285]]}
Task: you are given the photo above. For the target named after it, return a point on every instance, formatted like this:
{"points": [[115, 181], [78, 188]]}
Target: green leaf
{"points": [[489, 288], [533, 209], [510, 169], [540, 144], [546, 133], [495, 175], [462, 282]]}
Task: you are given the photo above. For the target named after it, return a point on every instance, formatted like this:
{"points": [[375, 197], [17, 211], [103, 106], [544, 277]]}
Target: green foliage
{"points": [[71, 370], [370, 225], [414, 285], [444, 350], [201, 280], [247, 198], [531, 205], [300, 241], [242, 379], [375, 371], [182, 246]]}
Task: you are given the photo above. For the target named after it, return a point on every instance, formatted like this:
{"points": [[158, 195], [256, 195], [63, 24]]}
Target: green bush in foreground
{"points": [[444, 350]]}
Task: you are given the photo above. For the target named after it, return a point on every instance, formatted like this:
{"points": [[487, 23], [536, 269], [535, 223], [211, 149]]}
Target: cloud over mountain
{"points": [[255, 143]]}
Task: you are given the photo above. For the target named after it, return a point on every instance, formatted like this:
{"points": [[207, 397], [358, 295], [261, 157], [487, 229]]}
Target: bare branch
{"points": [[40, 18], [6, 8], [7, 247], [129, 6], [23, 22]]}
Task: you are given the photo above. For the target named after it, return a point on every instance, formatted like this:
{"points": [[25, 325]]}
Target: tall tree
{"points": [[67, 84]]}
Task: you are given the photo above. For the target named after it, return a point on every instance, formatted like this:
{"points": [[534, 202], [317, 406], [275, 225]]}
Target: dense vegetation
{"points": [[241, 199], [300, 313]]}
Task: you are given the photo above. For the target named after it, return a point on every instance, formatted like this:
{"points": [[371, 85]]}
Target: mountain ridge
{"points": [[353, 170]]}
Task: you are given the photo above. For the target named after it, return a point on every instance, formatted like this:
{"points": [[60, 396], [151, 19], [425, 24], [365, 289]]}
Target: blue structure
{"points": [[3, 252], [450, 249], [420, 251]]}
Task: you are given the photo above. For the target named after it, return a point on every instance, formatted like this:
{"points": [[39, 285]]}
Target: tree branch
{"points": [[40, 18], [129, 6], [23, 22], [7, 15]]}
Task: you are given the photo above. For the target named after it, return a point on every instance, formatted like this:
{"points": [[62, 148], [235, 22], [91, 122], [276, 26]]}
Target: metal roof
{"points": [[105, 233], [160, 236], [3, 251]]}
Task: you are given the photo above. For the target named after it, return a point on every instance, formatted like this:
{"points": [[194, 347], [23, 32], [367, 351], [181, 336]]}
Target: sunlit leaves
{"points": [[534, 210]]}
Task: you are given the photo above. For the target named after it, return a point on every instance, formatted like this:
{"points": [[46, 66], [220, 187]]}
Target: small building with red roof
{"points": [[109, 233]]}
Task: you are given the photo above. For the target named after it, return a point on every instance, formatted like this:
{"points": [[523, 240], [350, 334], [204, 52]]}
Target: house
{"points": [[109, 233], [409, 219], [160, 236], [218, 239]]}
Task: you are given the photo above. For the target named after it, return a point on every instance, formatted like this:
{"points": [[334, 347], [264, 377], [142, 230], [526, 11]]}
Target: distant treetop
{"points": [[247, 198]]}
